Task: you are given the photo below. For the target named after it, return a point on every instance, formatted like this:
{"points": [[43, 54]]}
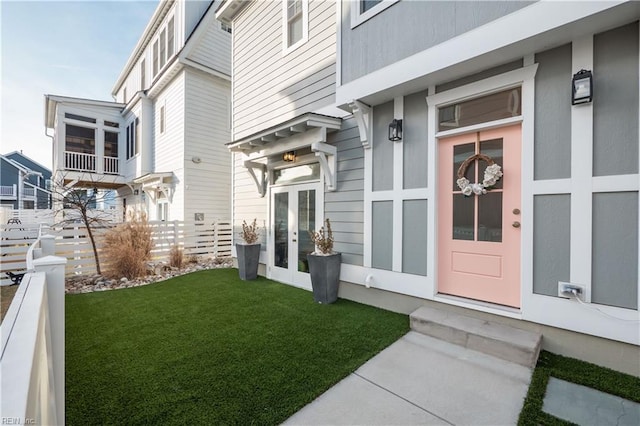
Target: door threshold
{"points": [[478, 305]]}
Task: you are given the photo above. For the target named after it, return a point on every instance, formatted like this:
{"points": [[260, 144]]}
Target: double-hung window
{"points": [[296, 23], [164, 46], [133, 134], [143, 74], [155, 58]]}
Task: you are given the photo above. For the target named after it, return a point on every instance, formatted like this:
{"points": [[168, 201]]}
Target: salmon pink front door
{"points": [[479, 234]]}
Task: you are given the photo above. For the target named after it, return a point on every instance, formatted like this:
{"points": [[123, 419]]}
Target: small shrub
{"points": [[323, 239], [128, 248], [176, 257], [250, 232], [193, 259]]}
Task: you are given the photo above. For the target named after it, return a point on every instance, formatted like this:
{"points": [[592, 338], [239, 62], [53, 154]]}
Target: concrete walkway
{"points": [[422, 380]]}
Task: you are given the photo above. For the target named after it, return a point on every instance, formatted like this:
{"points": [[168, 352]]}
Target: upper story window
{"points": [[132, 136], [296, 23], [110, 144], [362, 10], [79, 117], [225, 27], [143, 74], [124, 95], [111, 123], [164, 46], [162, 119], [80, 139]]}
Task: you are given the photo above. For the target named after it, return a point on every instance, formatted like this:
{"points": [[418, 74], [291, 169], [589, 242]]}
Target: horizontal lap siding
{"points": [[207, 131], [214, 49], [247, 203], [169, 146], [345, 206], [270, 88]]}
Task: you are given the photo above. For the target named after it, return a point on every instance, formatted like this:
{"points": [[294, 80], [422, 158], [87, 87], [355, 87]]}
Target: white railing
{"points": [[111, 165], [29, 191], [79, 161], [33, 342], [8, 191]]}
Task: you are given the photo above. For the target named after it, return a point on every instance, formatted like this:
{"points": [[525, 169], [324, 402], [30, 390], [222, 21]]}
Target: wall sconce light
{"points": [[395, 130], [581, 87], [289, 156], [136, 192]]}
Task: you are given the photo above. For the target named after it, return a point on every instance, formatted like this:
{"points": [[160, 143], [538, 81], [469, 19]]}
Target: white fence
{"points": [[72, 242], [49, 217], [33, 340]]}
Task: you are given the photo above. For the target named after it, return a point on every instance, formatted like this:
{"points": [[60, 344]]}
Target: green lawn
{"points": [[207, 348], [576, 371]]}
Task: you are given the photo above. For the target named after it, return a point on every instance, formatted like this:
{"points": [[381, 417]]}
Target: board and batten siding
{"points": [[214, 49], [345, 206], [305, 76], [208, 182], [402, 30], [169, 145]]}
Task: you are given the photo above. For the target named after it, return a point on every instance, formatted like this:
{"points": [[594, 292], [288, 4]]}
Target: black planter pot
{"points": [[325, 277], [248, 259]]}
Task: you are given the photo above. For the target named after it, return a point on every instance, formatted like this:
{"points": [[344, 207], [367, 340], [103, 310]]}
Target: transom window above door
{"points": [[496, 106]]}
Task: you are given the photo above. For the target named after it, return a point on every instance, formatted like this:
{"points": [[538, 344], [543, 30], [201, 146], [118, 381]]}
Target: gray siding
{"points": [[615, 249], [382, 147], [615, 101], [500, 69], [270, 87], [414, 237], [552, 146], [551, 222], [414, 141], [345, 206], [382, 234], [402, 30]]}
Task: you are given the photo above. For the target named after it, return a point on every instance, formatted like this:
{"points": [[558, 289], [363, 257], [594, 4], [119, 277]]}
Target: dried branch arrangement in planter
{"points": [[323, 239], [250, 232]]}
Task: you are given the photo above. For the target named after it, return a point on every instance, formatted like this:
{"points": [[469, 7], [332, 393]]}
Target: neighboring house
{"points": [[24, 184], [458, 79], [160, 145]]}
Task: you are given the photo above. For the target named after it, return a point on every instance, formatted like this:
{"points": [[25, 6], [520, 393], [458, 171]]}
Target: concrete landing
{"points": [[423, 380], [508, 343]]}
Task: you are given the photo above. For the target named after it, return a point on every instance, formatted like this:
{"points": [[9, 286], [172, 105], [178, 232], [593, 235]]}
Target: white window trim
{"points": [[286, 49], [162, 120], [163, 28], [358, 18]]}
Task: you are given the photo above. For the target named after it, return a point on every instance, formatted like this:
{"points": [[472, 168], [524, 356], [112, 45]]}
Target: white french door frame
{"points": [[291, 275]]}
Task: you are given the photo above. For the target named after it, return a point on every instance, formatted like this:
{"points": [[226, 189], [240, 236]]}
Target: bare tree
{"points": [[77, 204]]}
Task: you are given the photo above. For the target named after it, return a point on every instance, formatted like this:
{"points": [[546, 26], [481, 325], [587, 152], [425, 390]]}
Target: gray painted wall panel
{"points": [[615, 101], [551, 242], [500, 69], [552, 146], [409, 27], [414, 237], [414, 141], [382, 235], [615, 249], [382, 147]]}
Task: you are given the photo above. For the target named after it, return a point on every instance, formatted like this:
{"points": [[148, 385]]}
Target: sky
{"points": [[68, 48]]}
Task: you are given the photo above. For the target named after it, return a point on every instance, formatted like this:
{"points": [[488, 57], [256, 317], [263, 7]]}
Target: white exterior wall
{"points": [[247, 203], [306, 75], [169, 146], [214, 49], [192, 11], [132, 166], [207, 129]]}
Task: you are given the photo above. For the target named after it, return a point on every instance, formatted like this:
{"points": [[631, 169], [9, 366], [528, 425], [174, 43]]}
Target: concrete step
{"points": [[502, 341]]}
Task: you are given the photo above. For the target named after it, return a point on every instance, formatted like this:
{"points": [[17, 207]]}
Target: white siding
{"points": [[270, 88], [214, 49], [169, 146], [193, 10], [247, 203], [208, 183]]}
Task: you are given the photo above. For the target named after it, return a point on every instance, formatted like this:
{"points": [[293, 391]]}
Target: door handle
{"points": [[516, 224]]}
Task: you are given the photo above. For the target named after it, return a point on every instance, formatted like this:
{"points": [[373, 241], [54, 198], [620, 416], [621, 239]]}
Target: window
{"points": [[137, 144], [170, 37], [47, 184], [296, 19], [80, 139], [363, 10], [79, 117], [164, 46], [110, 144], [225, 27], [124, 95], [162, 119], [111, 124], [143, 74], [155, 58], [132, 133]]}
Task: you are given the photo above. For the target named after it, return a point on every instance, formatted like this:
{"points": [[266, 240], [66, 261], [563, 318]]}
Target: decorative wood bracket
{"points": [[261, 181], [362, 113], [328, 162]]}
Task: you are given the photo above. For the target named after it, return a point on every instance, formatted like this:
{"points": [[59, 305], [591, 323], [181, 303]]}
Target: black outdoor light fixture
{"points": [[582, 87], [289, 156], [395, 130]]}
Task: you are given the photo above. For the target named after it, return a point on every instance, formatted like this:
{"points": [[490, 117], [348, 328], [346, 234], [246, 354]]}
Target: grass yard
{"points": [[579, 372], [207, 348]]}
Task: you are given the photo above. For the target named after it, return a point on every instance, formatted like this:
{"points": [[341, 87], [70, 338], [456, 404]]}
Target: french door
{"points": [[295, 210], [479, 234]]}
